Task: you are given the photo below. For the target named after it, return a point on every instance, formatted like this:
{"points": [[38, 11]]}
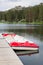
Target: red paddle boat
{"points": [[20, 43]]}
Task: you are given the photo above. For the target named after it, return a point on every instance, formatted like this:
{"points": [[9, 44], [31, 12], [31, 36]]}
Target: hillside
{"points": [[23, 14]]}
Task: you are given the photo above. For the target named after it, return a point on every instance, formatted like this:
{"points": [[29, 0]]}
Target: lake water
{"points": [[31, 32]]}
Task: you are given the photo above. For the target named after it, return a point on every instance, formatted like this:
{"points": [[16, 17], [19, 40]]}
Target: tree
{"points": [[41, 12], [35, 12]]}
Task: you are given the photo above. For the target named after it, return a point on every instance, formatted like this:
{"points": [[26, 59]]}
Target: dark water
{"points": [[31, 32]]}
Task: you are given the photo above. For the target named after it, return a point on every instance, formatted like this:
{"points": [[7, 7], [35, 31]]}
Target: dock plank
{"points": [[7, 55]]}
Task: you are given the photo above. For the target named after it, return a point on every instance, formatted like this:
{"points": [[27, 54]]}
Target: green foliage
{"points": [[23, 20], [23, 15], [41, 12]]}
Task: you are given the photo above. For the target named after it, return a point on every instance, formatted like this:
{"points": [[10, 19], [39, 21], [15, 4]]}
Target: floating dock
{"points": [[7, 55]]}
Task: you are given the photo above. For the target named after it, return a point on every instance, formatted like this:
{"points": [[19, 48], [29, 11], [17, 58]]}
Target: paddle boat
{"points": [[20, 43]]}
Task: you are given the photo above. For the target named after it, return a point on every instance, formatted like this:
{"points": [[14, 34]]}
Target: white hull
{"points": [[24, 48]]}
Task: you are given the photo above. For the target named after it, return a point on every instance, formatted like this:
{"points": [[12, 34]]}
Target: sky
{"points": [[8, 4]]}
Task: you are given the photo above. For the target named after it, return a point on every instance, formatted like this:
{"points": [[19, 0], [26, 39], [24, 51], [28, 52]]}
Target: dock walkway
{"points": [[7, 55]]}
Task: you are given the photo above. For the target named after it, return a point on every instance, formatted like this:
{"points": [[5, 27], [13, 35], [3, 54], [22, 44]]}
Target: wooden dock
{"points": [[7, 55]]}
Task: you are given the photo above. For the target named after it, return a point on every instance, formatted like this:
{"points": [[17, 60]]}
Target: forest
{"points": [[19, 14]]}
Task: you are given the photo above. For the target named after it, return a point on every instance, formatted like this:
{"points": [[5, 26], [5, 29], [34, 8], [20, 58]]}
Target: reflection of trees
{"points": [[38, 31]]}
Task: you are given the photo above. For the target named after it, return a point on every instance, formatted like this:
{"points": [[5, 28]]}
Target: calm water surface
{"points": [[31, 32]]}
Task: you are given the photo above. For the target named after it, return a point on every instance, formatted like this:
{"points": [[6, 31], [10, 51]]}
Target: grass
{"points": [[6, 22], [37, 22]]}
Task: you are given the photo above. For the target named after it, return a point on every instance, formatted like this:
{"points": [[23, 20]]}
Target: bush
{"points": [[22, 20]]}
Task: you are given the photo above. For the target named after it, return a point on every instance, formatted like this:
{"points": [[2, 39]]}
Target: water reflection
{"points": [[29, 53]]}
